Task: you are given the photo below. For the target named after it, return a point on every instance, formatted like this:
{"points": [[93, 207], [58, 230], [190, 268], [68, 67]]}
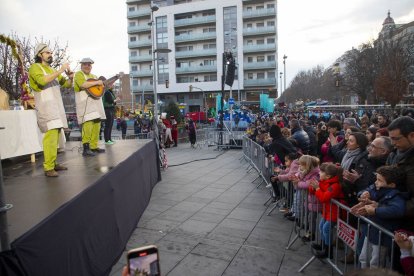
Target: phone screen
{"points": [[144, 261]]}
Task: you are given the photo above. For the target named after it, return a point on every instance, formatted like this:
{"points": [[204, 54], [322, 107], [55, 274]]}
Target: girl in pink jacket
{"points": [[308, 172], [280, 180]]}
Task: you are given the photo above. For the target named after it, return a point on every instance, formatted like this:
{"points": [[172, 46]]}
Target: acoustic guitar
{"points": [[97, 91]]}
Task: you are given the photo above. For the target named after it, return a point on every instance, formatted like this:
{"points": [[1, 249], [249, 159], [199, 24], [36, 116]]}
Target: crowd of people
{"points": [[366, 163]]}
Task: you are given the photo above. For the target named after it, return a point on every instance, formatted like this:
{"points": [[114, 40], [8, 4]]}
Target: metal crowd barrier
{"points": [[346, 235]]}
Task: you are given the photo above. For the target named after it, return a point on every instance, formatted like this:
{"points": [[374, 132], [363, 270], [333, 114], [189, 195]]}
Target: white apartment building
{"points": [[198, 32]]}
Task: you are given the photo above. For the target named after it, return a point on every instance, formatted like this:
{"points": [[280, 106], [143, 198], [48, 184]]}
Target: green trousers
{"points": [[50, 145], [90, 133]]}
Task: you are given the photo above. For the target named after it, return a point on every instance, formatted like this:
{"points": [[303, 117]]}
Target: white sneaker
{"points": [[269, 186]]}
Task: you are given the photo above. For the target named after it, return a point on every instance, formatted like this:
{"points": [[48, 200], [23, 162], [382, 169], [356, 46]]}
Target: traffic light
{"points": [[231, 69], [167, 83]]}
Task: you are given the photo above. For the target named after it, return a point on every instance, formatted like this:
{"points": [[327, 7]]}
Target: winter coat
{"points": [[292, 170], [303, 184], [388, 214], [302, 139], [312, 139], [406, 163], [325, 149], [328, 189], [338, 151], [281, 147]]}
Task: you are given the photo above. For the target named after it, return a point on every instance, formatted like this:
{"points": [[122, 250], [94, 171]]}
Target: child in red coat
{"points": [[328, 188]]}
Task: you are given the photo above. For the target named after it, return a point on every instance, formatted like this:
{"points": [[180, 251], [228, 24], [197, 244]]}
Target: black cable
{"points": [[195, 160]]}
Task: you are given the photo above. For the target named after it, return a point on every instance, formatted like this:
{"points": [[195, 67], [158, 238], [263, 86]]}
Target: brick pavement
{"points": [[207, 218]]}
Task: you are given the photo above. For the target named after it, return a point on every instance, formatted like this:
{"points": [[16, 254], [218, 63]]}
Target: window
{"points": [[209, 46], [133, 39], [271, 40], [249, 9], [260, 24], [260, 58], [133, 53], [271, 58], [260, 42], [162, 68], [209, 62], [209, 30], [134, 82], [131, 9], [250, 76], [249, 42], [184, 48], [210, 78], [270, 6], [259, 7], [161, 22], [249, 59], [134, 68], [270, 23], [185, 79], [162, 38], [270, 75], [249, 26], [260, 76], [132, 23]]}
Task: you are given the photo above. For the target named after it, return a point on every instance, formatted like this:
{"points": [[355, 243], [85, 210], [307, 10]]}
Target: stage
{"points": [[111, 189]]}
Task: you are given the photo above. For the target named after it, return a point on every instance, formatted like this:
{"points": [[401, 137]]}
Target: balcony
{"points": [[259, 48], [141, 73], [137, 89], [196, 69], [196, 53], [259, 31], [259, 13], [139, 44], [259, 65], [139, 13], [144, 58], [259, 82], [195, 37], [139, 29], [195, 21]]}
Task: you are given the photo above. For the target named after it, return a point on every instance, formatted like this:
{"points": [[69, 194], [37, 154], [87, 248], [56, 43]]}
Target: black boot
{"points": [[326, 252], [87, 151]]}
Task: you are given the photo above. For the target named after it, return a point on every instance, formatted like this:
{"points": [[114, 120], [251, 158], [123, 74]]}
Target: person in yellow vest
{"points": [[51, 118], [89, 110]]}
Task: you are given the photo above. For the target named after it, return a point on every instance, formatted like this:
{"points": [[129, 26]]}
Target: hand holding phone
{"points": [[143, 261]]}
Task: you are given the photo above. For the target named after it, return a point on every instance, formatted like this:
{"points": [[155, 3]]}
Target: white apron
{"points": [[49, 107], [88, 108]]}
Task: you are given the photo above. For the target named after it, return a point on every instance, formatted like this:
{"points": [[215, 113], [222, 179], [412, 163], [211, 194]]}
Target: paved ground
{"points": [[207, 218]]}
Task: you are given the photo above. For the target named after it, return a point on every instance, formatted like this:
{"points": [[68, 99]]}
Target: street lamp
{"points": [[204, 104], [284, 68], [155, 52], [281, 74]]}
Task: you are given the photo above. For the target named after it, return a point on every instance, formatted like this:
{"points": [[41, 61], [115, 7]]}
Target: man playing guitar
{"points": [[89, 110]]}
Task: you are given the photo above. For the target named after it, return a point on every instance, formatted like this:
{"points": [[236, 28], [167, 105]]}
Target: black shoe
{"points": [[288, 214], [316, 246], [291, 218], [87, 151], [98, 150], [308, 238]]}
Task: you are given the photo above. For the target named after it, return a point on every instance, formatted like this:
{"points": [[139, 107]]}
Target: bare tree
{"points": [[395, 57]]}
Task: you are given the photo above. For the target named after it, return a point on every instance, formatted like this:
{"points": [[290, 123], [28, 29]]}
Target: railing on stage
{"points": [[347, 233]]}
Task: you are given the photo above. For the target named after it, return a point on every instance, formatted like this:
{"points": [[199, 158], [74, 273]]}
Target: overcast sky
{"points": [[311, 33]]}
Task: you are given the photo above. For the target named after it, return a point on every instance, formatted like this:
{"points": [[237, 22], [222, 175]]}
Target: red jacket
{"points": [[328, 189]]}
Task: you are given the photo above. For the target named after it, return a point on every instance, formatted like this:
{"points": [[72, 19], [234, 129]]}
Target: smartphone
{"points": [[144, 261]]}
